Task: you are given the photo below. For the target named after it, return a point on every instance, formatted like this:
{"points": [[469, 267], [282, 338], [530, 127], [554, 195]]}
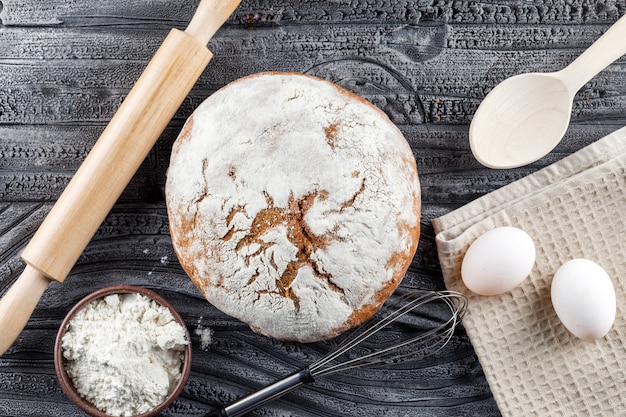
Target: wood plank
{"points": [[83, 12]]}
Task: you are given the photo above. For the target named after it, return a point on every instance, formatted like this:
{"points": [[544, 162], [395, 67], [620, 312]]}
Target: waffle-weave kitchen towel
{"points": [[575, 208]]}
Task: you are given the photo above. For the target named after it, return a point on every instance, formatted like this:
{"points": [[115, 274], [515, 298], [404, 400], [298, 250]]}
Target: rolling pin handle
{"points": [[19, 302]]}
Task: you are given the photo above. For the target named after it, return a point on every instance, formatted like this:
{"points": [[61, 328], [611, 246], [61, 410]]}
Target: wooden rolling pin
{"points": [[109, 167]]}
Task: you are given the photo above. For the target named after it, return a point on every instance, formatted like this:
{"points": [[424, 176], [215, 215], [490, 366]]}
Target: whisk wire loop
{"points": [[428, 343]]}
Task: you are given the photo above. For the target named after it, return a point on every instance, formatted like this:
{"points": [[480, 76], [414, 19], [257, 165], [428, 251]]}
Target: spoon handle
{"points": [[604, 51]]}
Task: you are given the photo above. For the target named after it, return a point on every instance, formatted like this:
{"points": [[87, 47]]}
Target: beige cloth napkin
{"points": [[573, 208]]}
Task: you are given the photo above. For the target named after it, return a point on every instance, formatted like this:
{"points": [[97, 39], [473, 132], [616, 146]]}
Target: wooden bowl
{"points": [[59, 361]]}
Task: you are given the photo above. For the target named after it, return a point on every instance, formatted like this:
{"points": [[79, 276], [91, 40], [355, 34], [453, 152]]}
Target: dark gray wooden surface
{"points": [[65, 65]]}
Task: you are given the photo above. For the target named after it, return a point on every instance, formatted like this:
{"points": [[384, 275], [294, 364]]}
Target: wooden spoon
{"points": [[112, 162], [523, 118]]}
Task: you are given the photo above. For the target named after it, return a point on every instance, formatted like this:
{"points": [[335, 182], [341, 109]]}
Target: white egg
{"points": [[583, 297], [498, 261]]}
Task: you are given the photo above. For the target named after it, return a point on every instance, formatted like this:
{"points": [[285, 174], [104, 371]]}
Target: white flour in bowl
{"points": [[124, 353]]}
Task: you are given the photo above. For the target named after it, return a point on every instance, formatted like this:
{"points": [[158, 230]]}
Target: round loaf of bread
{"points": [[293, 205]]}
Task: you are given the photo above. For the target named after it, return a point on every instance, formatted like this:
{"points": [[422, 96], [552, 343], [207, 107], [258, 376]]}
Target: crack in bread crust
{"points": [[298, 233]]}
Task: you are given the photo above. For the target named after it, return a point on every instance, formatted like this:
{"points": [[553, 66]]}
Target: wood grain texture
{"points": [[66, 65]]}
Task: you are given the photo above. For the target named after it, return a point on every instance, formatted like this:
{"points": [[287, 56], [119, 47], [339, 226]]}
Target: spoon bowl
{"points": [[523, 118], [520, 120]]}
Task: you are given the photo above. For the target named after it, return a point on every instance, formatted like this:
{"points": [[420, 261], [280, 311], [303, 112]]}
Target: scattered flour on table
{"points": [[205, 334], [124, 353]]}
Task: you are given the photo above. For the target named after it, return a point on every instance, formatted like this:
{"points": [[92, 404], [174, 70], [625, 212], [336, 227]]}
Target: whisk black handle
{"points": [[265, 395]]}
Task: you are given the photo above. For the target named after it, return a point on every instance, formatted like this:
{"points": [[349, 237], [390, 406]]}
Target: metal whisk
{"points": [[416, 345]]}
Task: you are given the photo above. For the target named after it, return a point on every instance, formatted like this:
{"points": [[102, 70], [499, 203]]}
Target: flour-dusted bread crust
{"points": [[294, 205]]}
